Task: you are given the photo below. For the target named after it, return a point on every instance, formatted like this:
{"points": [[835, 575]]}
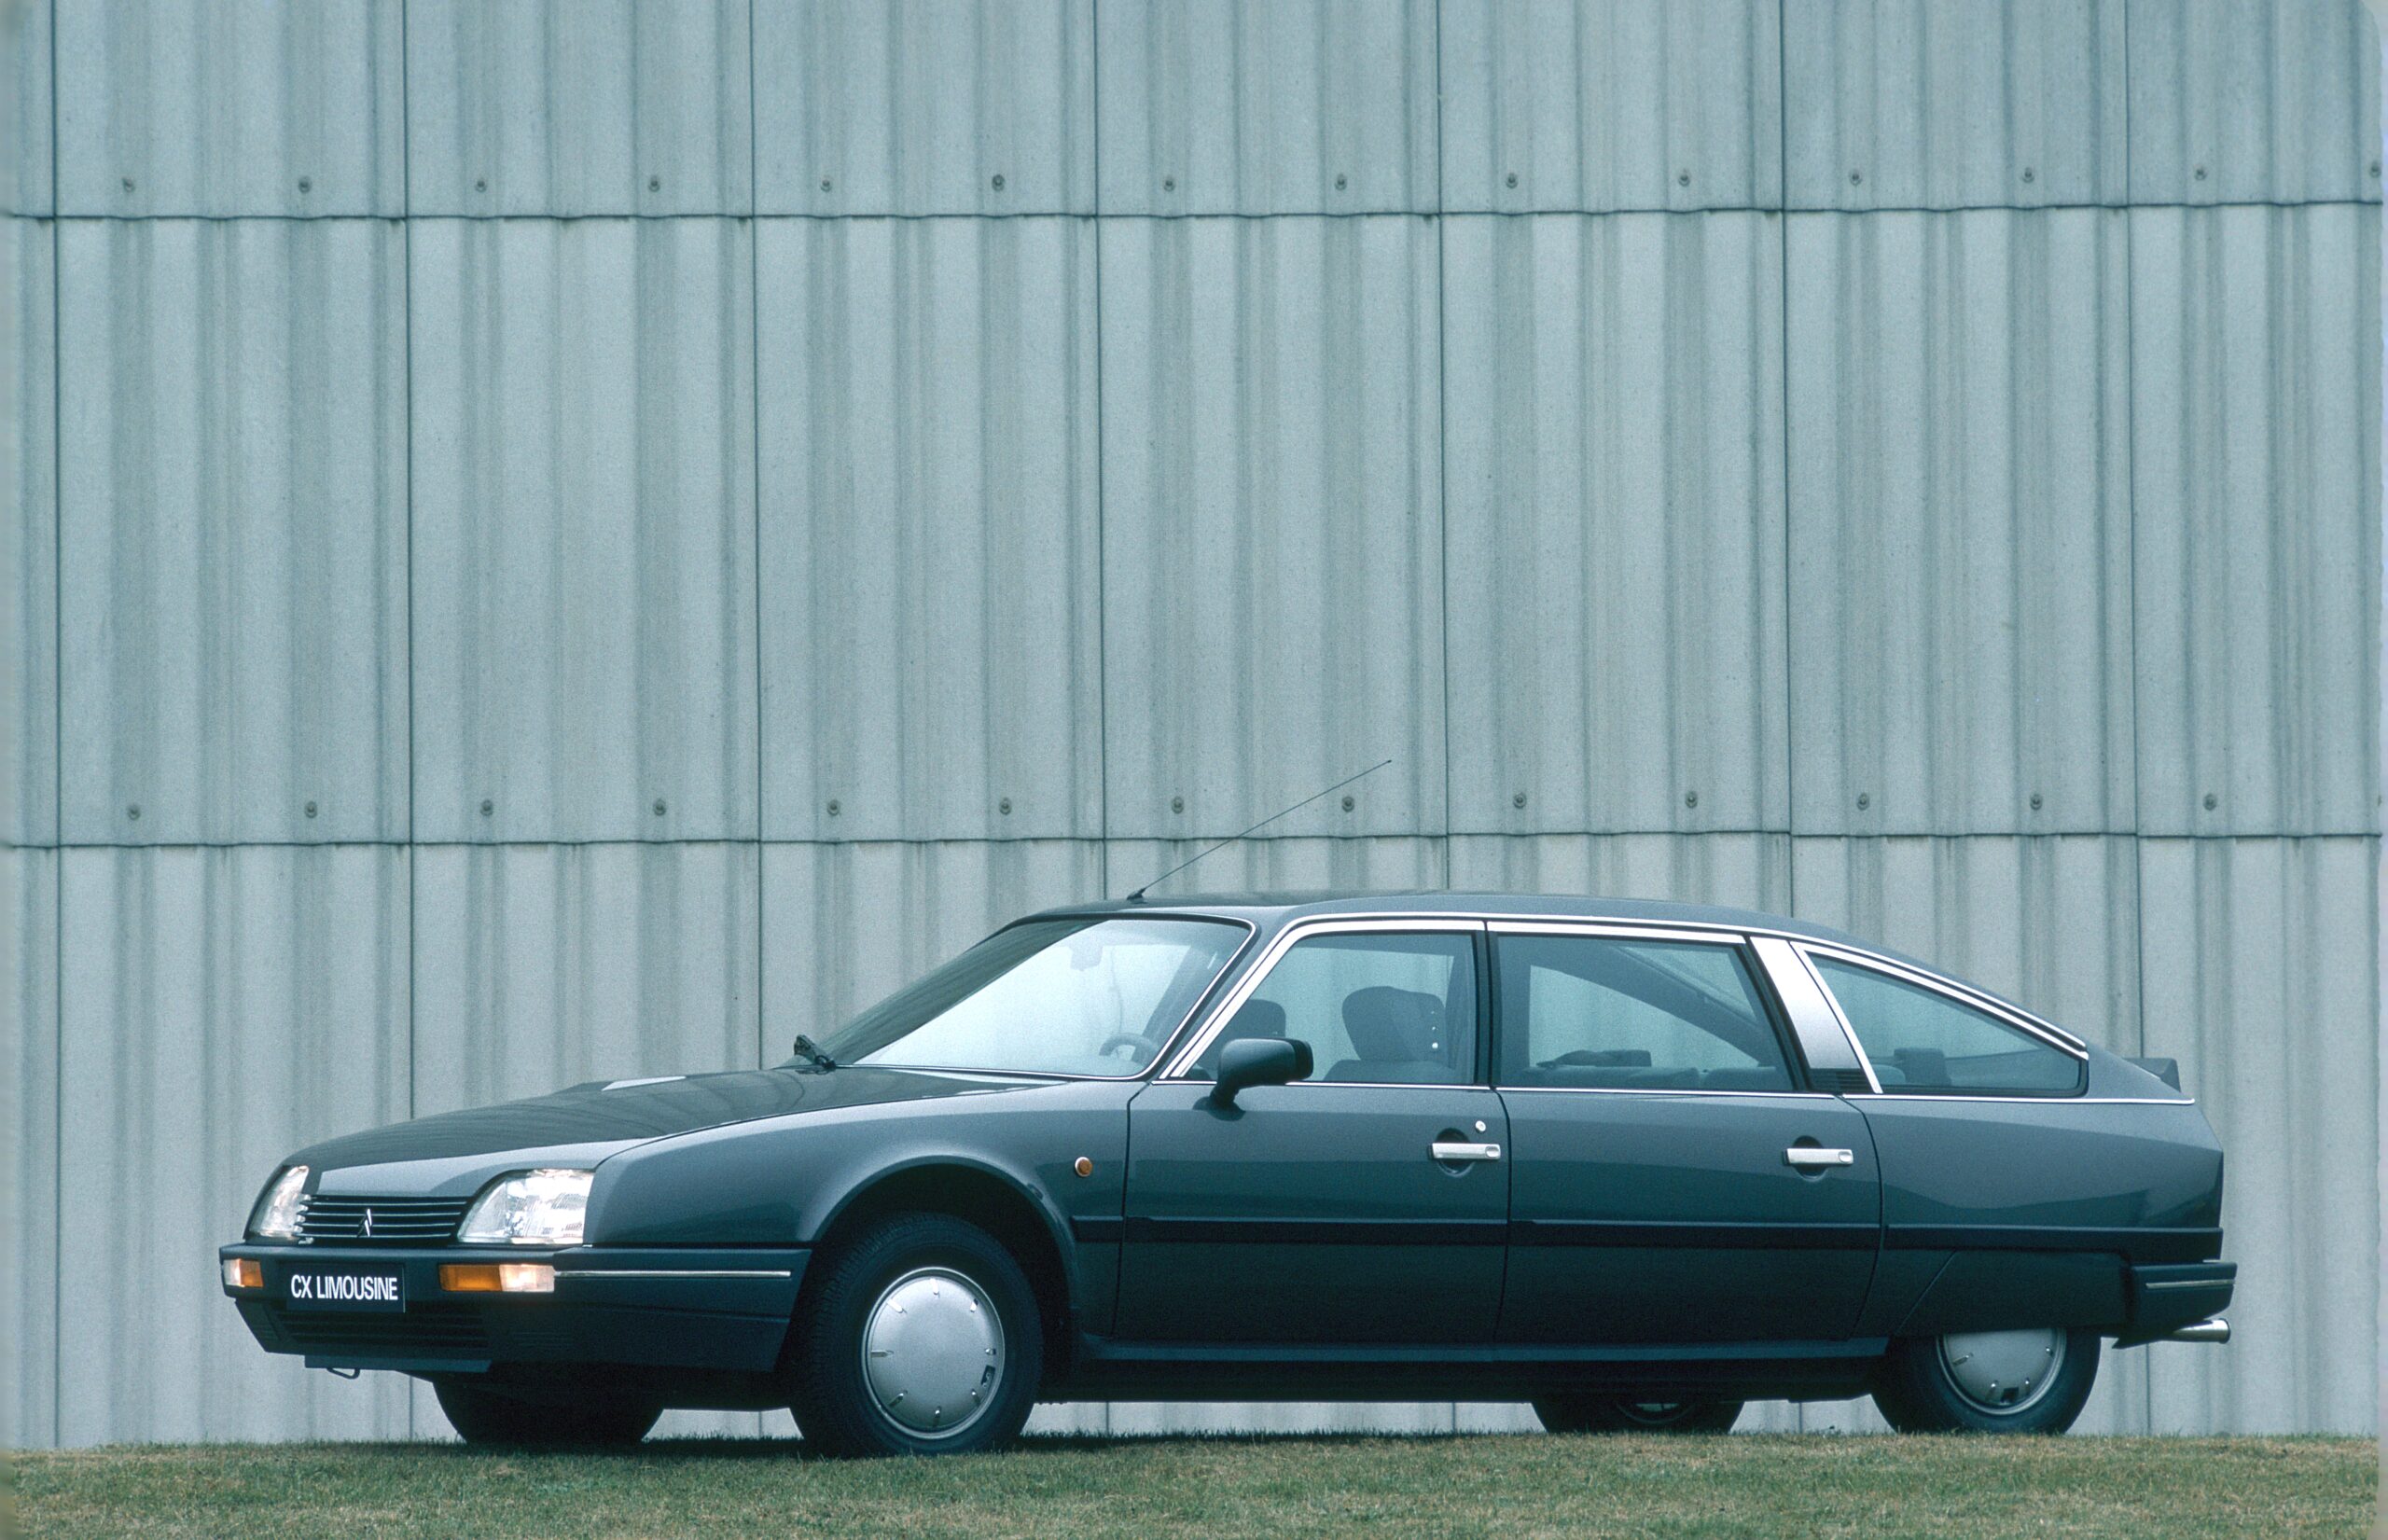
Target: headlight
{"points": [[537, 1208], [276, 1215]]}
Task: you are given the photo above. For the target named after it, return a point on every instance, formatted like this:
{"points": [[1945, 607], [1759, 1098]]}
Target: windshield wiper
{"points": [[806, 1048]]}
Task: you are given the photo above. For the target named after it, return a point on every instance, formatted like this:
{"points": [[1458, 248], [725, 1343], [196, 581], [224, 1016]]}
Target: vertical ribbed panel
{"points": [[29, 1138], [540, 967], [26, 157], [1564, 107], [233, 530], [1267, 106], [930, 618], [2255, 345], [1749, 870], [1272, 530], [1911, 104], [28, 532], [1388, 864], [2049, 923], [584, 529], [847, 924], [1961, 641], [221, 1008], [925, 106], [2234, 102], [2261, 977], [2052, 924], [1144, 530], [578, 107], [224, 107], [1613, 477]]}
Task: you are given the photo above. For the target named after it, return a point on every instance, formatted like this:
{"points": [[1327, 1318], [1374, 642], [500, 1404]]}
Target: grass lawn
{"points": [[1212, 1488]]}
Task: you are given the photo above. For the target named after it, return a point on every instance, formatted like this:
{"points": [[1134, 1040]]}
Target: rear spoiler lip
{"points": [[2166, 1070]]}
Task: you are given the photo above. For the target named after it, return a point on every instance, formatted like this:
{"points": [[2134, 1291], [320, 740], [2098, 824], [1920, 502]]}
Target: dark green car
{"points": [[1634, 1162]]}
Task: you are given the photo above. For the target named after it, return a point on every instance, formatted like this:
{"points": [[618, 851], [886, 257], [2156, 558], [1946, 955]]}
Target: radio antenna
{"points": [[1138, 896]]}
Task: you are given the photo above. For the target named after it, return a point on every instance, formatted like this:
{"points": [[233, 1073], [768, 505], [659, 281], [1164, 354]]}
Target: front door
{"points": [[1323, 1212], [1673, 1180]]}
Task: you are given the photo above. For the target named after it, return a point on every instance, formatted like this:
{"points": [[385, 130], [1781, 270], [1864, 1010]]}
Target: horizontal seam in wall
{"points": [[1160, 840], [1165, 217]]}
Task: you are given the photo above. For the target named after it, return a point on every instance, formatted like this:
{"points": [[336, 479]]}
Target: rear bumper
{"points": [[2165, 1298], [706, 1309]]}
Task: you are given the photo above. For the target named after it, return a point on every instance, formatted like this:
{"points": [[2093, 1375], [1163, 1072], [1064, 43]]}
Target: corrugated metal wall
{"points": [[554, 540]]}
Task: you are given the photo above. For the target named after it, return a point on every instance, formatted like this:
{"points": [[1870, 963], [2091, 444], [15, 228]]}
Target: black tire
{"points": [[1617, 1414], [489, 1420], [836, 1409], [1917, 1393]]}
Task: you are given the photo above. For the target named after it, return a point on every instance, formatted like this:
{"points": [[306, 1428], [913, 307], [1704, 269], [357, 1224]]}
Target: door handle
{"points": [[1809, 1157], [1452, 1149]]}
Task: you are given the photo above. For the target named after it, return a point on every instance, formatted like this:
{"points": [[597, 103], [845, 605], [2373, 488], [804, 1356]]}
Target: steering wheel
{"points": [[1144, 1048]]}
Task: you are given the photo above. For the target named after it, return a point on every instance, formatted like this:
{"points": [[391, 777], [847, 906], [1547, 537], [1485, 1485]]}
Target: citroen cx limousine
{"points": [[1634, 1162]]}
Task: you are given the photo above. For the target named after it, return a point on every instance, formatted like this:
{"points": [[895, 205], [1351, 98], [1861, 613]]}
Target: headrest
{"points": [[1255, 1019], [1393, 1026]]}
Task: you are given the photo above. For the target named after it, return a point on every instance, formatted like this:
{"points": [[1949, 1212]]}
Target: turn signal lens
{"points": [[243, 1272], [497, 1277]]}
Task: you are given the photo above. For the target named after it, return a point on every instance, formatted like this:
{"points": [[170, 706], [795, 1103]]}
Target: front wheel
{"points": [[919, 1336], [1612, 1414], [487, 1419], [2034, 1381]]}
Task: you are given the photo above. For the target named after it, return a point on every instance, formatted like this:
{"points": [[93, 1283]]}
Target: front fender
{"points": [[784, 1181]]}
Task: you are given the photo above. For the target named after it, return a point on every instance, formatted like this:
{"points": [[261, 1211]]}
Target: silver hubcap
{"points": [[933, 1352], [2003, 1371]]}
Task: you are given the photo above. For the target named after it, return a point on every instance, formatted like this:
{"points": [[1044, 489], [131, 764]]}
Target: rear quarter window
{"points": [[1923, 1042]]}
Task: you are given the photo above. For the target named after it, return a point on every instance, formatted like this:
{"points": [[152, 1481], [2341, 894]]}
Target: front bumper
{"points": [[711, 1308]]}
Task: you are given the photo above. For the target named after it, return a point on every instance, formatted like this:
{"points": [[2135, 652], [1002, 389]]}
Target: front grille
{"points": [[442, 1330], [370, 1221]]}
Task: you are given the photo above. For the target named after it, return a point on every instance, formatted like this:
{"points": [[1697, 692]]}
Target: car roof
{"points": [[1275, 907]]}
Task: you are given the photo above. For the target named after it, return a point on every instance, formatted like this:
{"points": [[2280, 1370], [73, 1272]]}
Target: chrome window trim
{"points": [[1228, 1004], [1974, 1000], [1873, 1084], [1623, 929], [1356, 1085], [2058, 1100], [1640, 1090]]}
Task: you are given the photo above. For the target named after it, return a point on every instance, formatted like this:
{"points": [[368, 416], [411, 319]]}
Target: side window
{"points": [[1385, 1007], [1921, 1040], [1617, 1014]]}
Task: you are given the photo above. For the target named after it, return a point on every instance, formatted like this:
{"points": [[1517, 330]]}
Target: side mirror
{"points": [[1250, 1062]]}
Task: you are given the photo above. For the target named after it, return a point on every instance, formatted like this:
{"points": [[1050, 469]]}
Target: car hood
{"points": [[583, 1124]]}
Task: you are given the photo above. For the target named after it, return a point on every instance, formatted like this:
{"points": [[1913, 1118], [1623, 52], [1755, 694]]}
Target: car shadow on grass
{"points": [[697, 1448]]}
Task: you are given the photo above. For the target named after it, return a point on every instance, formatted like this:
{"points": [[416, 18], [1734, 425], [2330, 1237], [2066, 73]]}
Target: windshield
{"points": [[1048, 997]]}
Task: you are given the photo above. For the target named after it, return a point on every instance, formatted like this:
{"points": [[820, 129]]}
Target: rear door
{"points": [[1675, 1178], [2003, 1204], [1319, 1211]]}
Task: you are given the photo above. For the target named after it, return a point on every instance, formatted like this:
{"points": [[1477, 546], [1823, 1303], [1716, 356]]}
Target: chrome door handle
{"points": [[1808, 1156], [1452, 1149]]}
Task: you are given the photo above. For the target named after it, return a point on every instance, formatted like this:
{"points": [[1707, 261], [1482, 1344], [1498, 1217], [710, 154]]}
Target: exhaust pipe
{"points": [[2213, 1330]]}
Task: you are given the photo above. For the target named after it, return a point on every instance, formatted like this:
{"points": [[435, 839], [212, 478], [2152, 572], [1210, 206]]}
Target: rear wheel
{"points": [[2034, 1381], [1614, 1414], [487, 1419], [919, 1336]]}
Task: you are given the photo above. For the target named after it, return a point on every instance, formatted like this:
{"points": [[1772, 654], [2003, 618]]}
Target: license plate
{"points": [[346, 1288]]}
